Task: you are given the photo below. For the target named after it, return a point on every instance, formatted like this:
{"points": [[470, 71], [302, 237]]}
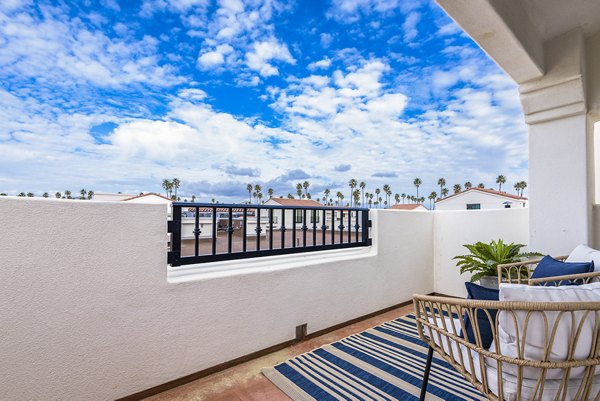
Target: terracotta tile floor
{"points": [[246, 382]]}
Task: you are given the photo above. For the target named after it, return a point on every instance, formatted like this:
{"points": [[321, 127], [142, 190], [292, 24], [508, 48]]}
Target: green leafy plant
{"points": [[485, 258]]}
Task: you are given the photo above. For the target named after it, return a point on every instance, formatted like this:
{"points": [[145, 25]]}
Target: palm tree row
{"points": [[84, 195], [380, 197]]}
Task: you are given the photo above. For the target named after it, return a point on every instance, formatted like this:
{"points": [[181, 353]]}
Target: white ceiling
{"points": [[555, 17]]}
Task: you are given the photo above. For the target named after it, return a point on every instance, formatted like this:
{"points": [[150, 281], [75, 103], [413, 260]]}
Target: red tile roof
{"points": [[296, 202], [408, 206], [488, 191], [148, 194]]}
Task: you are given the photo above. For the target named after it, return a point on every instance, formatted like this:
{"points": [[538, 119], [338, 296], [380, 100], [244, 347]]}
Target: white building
{"points": [[150, 198], [411, 207], [479, 198], [289, 217], [111, 196]]}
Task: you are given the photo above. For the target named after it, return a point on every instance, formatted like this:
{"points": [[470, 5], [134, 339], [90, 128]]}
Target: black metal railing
{"points": [[201, 232]]}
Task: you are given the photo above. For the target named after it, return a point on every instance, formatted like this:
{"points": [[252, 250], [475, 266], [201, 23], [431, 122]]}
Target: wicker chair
{"points": [[551, 369]]}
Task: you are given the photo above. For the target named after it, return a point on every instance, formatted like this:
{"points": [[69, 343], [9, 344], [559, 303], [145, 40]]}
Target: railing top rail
{"points": [[253, 206]]}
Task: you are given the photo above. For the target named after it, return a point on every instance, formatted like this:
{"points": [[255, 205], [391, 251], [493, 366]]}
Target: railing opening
{"points": [[201, 232]]}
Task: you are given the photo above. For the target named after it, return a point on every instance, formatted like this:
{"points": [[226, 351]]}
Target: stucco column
{"points": [[560, 162]]}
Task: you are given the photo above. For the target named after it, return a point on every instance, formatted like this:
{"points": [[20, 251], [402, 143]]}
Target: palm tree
{"points": [[397, 198], [417, 182], [457, 188], [481, 185], [379, 201], [370, 200], [442, 183], [46, 194], [68, 194], [362, 186], [352, 184], [91, 195], [377, 191], [249, 189], [444, 192], [523, 186], [403, 196], [58, 195], [258, 190], [167, 186], [340, 197], [386, 189], [356, 196], [176, 184], [308, 196], [82, 192], [193, 198], [326, 192], [299, 190], [500, 180], [260, 195], [270, 192], [389, 195], [305, 185], [517, 187], [290, 196], [468, 185], [432, 196]]}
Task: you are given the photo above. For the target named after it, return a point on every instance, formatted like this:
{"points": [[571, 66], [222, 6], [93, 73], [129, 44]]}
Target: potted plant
{"points": [[483, 260]]}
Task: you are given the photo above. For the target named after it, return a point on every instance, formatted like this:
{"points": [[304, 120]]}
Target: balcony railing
{"points": [[208, 232]]}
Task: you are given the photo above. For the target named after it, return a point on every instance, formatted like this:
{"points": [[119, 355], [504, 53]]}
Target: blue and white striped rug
{"points": [[383, 363]]}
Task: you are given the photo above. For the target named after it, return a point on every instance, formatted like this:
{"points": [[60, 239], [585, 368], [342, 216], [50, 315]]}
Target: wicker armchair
{"points": [[540, 350]]}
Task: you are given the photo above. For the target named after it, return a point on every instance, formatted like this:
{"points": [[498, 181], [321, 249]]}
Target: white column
{"points": [[560, 163]]}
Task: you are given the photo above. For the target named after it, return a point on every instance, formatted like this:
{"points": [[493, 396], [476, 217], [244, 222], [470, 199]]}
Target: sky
{"points": [[116, 95]]}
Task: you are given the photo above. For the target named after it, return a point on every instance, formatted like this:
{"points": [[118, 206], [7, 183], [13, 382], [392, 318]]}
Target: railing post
{"points": [[366, 224], [174, 227]]}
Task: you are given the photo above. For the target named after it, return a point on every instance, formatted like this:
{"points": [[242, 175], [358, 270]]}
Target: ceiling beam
{"points": [[504, 31]]}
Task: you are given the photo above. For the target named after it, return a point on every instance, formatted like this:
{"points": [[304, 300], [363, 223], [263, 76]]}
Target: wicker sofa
{"points": [[540, 351]]}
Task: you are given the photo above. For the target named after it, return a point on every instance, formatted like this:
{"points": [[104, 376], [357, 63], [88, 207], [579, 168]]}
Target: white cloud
{"points": [[216, 58], [59, 50], [263, 53], [409, 26], [350, 10], [326, 40], [324, 63]]}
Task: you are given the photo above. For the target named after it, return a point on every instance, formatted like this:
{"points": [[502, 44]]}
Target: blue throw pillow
{"points": [[550, 267], [475, 291]]}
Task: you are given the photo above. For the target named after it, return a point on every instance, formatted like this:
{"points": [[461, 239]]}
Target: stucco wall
{"points": [[452, 229], [487, 201], [87, 311]]}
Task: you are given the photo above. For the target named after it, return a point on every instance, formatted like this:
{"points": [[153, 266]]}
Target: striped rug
{"points": [[383, 363]]}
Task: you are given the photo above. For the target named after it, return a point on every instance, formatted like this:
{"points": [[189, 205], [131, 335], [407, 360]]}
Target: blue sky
{"points": [[117, 95]]}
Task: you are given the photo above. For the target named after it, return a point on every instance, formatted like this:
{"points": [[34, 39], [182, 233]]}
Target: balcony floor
{"points": [[246, 382]]}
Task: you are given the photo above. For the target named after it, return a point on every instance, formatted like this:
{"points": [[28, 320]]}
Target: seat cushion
{"points": [[511, 390], [532, 326], [484, 322], [583, 253], [550, 267]]}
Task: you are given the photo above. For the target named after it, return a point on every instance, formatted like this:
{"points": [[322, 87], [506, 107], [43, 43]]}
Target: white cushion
{"points": [[530, 386], [583, 253], [512, 326]]}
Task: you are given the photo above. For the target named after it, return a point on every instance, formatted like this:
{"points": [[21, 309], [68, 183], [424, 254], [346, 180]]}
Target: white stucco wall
{"points": [[452, 229], [559, 190], [486, 200], [87, 311]]}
